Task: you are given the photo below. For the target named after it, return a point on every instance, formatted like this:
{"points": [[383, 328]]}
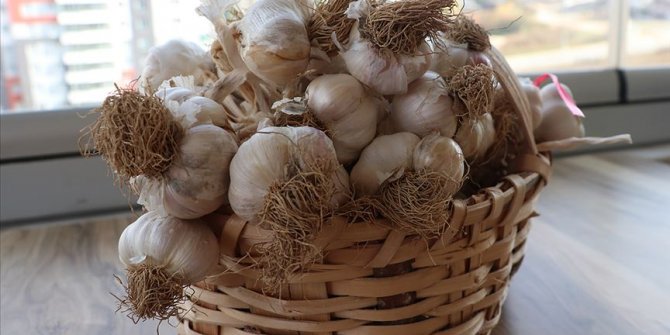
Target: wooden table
{"points": [[597, 260]]}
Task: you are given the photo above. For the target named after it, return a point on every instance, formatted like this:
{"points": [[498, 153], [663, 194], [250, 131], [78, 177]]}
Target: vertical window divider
{"points": [[619, 16]]}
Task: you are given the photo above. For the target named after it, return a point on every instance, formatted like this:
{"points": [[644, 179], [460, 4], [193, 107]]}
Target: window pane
{"points": [[70, 53], [648, 34], [62, 53], [547, 35]]}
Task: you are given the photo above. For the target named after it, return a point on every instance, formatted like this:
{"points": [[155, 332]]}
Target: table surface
{"points": [[596, 261]]}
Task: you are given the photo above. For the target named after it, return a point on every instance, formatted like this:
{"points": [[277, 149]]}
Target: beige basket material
{"points": [[375, 280]]}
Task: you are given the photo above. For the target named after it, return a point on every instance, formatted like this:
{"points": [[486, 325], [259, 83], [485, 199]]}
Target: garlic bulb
{"points": [[557, 122], [386, 157], [162, 254], [449, 57], [533, 95], [475, 136], [275, 155], [340, 102], [187, 248], [440, 154], [184, 102], [196, 183], [383, 71], [425, 107], [273, 39], [176, 58]]}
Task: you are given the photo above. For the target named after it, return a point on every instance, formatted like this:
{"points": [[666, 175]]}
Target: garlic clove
{"points": [[442, 154], [380, 160], [416, 65], [475, 136], [273, 40], [380, 70], [353, 132], [331, 97], [448, 57], [340, 102], [557, 122], [533, 94], [426, 107], [176, 58]]}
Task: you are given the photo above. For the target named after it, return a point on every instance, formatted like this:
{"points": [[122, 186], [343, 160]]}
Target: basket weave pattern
{"points": [[375, 280]]}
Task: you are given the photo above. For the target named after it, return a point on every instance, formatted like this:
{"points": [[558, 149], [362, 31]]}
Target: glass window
{"points": [[60, 53], [55, 45], [647, 34], [547, 35]]}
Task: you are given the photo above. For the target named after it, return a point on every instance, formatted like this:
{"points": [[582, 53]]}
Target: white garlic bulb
{"points": [[475, 136], [383, 71], [557, 122], [196, 183], [340, 102], [184, 102], [273, 39], [426, 107], [386, 157], [176, 58], [533, 94], [416, 65], [273, 156], [188, 249], [449, 57], [441, 154]]}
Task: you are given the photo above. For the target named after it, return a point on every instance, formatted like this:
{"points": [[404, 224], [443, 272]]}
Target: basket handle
{"points": [[512, 87], [529, 158]]}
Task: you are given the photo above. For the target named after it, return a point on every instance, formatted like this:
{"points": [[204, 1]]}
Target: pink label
{"points": [[569, 101]]}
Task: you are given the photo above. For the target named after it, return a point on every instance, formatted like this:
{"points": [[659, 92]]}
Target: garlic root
{"points": [[135, 134]]}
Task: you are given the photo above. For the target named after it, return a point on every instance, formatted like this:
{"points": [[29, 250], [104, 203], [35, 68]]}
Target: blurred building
{"points": [[30, 79], [97, 47], [179, 20], [61, 53]]}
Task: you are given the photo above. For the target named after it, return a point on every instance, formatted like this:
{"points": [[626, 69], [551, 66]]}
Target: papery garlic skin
{"points": [[340, 102], [176, 58], [557, 122], [380, 71], [449, 57], [274, 43], [274, 155], [441, 154], [426, 107], [331, 65], [387, 156], [475, 136], [186, 103], [185, 248], [533, 94], [416, 65], [197, 182]]}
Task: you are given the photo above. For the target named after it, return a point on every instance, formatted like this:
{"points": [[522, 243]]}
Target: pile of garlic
{"points": [[286, 129]]}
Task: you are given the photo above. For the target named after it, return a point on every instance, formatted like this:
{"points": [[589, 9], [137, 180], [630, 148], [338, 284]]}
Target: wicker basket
{"points": [[375, 280]]}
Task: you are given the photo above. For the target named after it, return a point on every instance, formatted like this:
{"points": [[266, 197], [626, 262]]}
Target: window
{"points": [[535, 35], [647, 38], [66, 56]]}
